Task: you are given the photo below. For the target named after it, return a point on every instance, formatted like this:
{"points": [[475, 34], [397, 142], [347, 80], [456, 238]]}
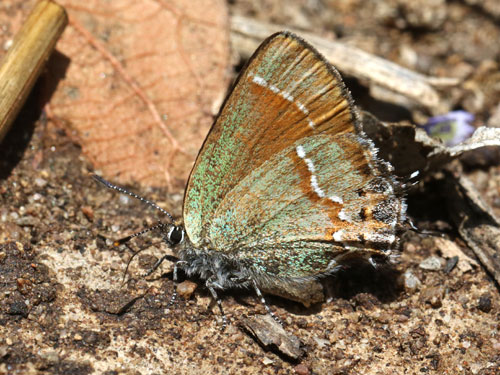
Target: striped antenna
{"points": [[121, 241], [124, 191]]}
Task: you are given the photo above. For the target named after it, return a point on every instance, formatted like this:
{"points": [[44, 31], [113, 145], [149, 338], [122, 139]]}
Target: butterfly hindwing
{"points": [[285, 177]]}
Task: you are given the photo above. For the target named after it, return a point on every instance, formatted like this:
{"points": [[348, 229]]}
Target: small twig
{"points": [[26, 58]]}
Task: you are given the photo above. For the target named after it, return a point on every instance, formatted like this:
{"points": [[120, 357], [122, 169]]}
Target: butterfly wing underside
{"points": [[285, 179]]}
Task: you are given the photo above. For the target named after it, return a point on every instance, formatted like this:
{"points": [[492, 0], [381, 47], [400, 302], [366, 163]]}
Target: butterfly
{"points": [[286, 187]]}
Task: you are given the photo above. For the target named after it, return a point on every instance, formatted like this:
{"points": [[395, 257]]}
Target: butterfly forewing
{"points": [[285, 176]]}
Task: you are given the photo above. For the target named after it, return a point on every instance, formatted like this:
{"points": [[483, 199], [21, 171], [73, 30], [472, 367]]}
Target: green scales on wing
{"points": [[285, 178]]}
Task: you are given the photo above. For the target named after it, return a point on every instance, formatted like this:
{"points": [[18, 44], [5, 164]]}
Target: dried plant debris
{"points": [[410, 149], [454, 254], [477, 223], [482, 137], [272, 336]]}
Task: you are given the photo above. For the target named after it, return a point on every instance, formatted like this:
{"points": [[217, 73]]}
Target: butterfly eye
{"points": [[176, 235]]}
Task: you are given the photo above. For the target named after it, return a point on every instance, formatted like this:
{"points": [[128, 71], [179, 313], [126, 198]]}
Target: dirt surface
{"points": [[65, 310]]}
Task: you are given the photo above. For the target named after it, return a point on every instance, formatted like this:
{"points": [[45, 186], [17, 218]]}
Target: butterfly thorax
{"points": [[213, 266]]}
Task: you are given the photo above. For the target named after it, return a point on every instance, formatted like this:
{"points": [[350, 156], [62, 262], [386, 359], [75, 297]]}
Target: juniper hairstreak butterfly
{"points": [[286, 188]]}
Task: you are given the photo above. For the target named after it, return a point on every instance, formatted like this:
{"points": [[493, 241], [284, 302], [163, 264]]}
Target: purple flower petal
{"points": [[452, 128]]}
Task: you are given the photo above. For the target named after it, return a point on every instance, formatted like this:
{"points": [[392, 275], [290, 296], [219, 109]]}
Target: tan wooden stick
{"points": [[27, 56]]}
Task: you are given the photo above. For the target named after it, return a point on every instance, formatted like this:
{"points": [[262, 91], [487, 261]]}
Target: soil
{"points": [[66, 310]]}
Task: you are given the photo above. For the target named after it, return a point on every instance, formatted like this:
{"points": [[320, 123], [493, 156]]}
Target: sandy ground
{"points": [[64, 309]]}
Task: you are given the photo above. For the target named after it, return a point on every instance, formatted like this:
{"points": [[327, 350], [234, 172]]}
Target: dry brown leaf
{"points": [[138, 83], [12, 14], [141, 83]]}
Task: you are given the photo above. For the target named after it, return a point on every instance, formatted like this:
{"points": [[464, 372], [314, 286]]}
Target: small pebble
{"points": [[40, 182], [432, 263], [401, 318], [301, 369], [496, 345], [450, 264], [433, 296], [35, 197], [88, 212], [18, 307], [411, 281], [321, 342], [124, 199], [50, 356], [484, 303], [267, 361], [424, 14], [186, 289]]}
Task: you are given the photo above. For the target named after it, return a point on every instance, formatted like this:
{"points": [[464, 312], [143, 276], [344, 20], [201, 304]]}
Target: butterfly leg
{"points": [[264, 302], [160, 261], [177, 264], [211, 284]]}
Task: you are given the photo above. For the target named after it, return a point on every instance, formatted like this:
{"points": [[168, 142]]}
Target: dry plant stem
{"points": [[477, 224], [247, 33], [27, 56]]}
